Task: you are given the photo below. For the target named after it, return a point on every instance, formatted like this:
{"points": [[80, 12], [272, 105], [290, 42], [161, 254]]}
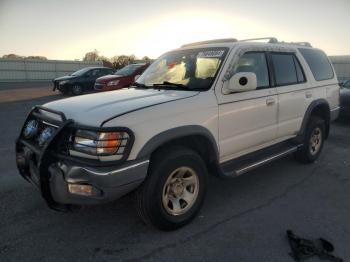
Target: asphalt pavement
{"points": [[243, 219]]}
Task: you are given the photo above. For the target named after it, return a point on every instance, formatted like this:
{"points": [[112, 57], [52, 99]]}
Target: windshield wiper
{"points": [[135, 84], [166, 83]]}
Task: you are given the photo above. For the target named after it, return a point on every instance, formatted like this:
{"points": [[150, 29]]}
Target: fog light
{"points": [[85, 190]]}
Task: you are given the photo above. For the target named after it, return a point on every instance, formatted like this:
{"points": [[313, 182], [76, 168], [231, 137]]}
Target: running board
{"points": [[254, 160]]}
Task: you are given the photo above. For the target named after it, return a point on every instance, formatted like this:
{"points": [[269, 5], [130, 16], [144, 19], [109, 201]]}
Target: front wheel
{"points": [[313, 141], [77, 90], [174, 190]]}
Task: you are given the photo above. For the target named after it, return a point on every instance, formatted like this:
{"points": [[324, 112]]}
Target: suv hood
{"points": [[64, 78], [94, 109]]}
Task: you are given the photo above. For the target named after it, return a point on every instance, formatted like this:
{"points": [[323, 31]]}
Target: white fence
{"points": [[341, 66], [17, 70]]}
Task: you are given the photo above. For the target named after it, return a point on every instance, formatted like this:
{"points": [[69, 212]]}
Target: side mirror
{"points": [[242, 82], [136, 77]]}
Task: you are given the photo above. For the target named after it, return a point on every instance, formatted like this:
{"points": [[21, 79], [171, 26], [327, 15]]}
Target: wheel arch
{"points": [[321, 108], [195, 137]]}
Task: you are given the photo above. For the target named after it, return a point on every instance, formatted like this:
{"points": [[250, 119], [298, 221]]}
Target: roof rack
{"points": [[271, 39], [301, 43], [223, 40]]}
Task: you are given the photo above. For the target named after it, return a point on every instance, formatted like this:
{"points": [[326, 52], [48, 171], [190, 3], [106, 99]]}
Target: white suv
{"points": [[221, 107]]}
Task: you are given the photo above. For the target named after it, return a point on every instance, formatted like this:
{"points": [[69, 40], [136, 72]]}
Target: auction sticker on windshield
{"points": [[211, 53]]}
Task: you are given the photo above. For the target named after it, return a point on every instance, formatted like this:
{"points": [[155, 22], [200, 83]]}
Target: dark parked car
{"points": [[80, 81], [122, 78], [345, 98]]}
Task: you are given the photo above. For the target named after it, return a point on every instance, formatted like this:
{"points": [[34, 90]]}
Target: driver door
{"points": [[248, 120]]}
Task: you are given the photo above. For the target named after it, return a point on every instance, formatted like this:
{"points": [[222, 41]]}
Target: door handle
{"points": [[270, 101], [308, 94]]}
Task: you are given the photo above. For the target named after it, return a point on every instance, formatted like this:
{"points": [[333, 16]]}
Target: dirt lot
{"points": [[243, 219]]}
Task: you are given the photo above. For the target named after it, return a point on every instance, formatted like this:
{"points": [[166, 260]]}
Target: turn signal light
{"points": [[85, 190]]}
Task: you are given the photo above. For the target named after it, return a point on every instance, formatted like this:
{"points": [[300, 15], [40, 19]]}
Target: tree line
{"points": [[116, 62]]}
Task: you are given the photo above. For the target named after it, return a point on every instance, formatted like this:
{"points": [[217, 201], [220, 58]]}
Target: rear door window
{"points": [[284, 69], [318, 63]]}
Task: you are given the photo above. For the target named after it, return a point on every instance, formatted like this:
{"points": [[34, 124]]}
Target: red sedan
{"points": [[121, 78]]}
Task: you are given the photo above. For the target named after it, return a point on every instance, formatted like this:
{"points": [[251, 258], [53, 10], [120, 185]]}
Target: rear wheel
{"points": [[313, 141], [174, 190], [77, 90]]}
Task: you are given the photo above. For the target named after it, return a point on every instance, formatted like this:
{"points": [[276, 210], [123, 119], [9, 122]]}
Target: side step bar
{"points": [[254, 160]]}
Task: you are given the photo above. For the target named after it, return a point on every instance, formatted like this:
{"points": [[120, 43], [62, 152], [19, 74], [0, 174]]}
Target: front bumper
{"points": [[108, 183], [100, 86], [54, 173]]}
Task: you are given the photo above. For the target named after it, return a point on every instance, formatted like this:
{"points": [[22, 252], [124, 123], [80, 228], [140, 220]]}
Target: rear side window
{"points": [[318, 63]]}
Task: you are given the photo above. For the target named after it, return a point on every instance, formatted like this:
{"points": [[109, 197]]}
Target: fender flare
{"points": [[315, 104], [175, 133]]}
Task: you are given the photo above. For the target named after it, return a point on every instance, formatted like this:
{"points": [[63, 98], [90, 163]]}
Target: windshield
{"points": [[127, 70], [80, 72], [193, 69]]}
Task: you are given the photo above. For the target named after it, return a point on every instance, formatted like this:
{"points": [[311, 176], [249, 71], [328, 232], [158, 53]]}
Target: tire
{"points": [[77, 90], [65, 92], [160, 201], [313, 141]]}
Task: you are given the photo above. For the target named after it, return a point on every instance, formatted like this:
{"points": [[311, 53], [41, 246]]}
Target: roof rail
{"points": [[301, 43], [223, 40], [271, 39]]}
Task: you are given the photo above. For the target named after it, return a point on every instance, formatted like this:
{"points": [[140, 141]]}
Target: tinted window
{"points": [[318, 63], [285, 71], [95, 72], [107, 71], [254, 62]]}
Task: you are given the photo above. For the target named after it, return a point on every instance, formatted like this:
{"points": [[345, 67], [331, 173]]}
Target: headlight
{"points": [[113, 83], [102, 145], [63, 82]]}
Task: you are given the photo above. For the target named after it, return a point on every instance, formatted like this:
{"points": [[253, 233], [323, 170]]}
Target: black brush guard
{"points": [[43, 154]]}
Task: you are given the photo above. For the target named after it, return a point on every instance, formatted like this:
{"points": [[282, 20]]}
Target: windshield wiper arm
{"points": [[135, 84], [166, 83]]}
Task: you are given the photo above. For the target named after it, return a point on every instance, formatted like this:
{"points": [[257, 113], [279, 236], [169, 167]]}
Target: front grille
{"points": [[98, 86]]}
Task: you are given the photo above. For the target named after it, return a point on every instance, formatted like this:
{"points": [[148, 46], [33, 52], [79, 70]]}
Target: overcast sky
{"points": [[67, 29]]}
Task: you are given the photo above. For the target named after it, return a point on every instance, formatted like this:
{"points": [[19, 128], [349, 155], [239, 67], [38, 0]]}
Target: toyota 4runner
{"points": [[221, 107]]}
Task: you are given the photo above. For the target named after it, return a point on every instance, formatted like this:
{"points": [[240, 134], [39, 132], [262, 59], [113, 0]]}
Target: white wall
{"points": [[17, 70]]}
